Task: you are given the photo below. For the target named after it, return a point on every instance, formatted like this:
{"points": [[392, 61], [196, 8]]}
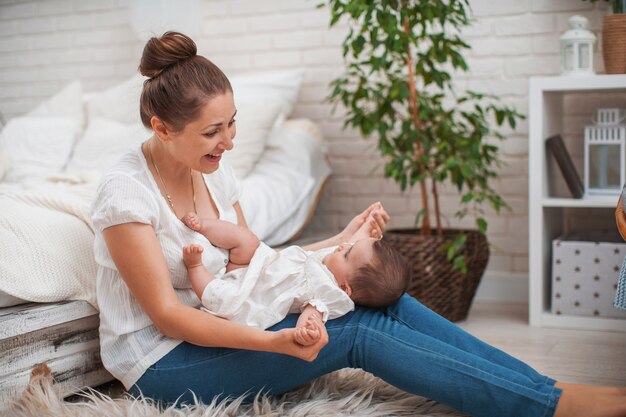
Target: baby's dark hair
{"points": [[382, 281]]}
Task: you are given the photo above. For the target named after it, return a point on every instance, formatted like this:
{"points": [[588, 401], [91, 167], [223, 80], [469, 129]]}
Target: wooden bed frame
{"points": [[64, 335]]}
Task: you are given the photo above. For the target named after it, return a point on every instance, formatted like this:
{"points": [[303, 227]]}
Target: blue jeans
{"points": [[406, 344]]}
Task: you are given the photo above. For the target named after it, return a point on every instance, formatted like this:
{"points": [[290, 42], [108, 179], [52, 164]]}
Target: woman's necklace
{"points": [[167, 194]]}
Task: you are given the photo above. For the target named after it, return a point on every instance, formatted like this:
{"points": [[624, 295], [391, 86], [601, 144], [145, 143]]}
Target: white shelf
{"points": [[580, 322], [545, 213], [590, 202], [590, 83]]}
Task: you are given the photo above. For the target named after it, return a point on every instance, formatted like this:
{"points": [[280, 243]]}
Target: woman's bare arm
{"points": [[138, 256], [376, 225]]}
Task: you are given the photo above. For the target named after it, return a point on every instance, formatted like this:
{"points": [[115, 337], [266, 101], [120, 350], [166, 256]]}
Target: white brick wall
{"points": [[45, 44]]}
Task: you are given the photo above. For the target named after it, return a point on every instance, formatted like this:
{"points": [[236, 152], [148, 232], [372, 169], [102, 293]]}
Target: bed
{"points": [[50, 163]]}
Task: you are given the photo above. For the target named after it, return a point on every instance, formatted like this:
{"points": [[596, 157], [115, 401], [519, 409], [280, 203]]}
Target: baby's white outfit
{"points": [[275, 284]]}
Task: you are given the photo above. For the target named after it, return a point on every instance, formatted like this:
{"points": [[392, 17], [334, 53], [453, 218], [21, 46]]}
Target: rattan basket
{"points": [[614, 43], [435, 283]]}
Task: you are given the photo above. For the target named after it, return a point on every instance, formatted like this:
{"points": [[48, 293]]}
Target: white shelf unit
{"points": [[545, 213]]}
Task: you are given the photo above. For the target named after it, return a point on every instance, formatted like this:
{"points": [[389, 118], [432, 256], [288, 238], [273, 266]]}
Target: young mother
{"points": [[155, 339]]}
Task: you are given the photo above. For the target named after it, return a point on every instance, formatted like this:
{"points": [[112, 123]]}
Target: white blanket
{"points": [[46, 241]]}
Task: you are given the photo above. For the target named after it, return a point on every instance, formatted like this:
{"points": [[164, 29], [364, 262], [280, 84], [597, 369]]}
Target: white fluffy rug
{"points": [[347, 392]]}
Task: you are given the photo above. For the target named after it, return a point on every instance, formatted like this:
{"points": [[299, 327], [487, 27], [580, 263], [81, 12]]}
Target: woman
{"points": [[156, 340]]}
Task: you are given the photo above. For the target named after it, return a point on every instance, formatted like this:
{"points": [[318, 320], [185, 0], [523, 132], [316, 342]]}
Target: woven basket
{"points": [[435, 283], [614, 43]]}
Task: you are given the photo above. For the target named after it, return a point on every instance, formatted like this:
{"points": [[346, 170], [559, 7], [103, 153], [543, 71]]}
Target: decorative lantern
{"points": [[605, 153], [577, 48]]}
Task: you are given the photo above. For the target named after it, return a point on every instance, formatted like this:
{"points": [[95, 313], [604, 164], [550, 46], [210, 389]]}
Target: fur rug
{"points": [[348, 392]]}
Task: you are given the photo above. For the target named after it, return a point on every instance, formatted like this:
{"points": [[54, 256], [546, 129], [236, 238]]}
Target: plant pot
{"points": [[447, 291], [614, 43]]}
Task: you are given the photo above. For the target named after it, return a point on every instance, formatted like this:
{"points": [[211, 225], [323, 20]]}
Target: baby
{"points": [[261, 285]]}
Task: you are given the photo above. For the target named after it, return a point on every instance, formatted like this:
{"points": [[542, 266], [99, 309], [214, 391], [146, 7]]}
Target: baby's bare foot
{"points": [[192, 255], [368, 229], [192, 221]]}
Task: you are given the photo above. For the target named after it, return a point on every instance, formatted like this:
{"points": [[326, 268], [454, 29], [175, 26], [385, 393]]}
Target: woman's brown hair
{"points": [[180, 82]]}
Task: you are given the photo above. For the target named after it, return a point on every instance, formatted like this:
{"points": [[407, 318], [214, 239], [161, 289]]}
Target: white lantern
{"points": [[605, 153], [577, 48]]}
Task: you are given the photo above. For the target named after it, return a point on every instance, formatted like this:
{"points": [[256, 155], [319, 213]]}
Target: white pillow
{"points": [[66, 103], [255, 120], [280, 192], [38, 146], [119, 103], [282, 86], [104, 142]]}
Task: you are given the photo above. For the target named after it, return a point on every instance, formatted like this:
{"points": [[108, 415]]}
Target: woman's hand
{"points": [[308, 333], [370, 222], [284, 342]]}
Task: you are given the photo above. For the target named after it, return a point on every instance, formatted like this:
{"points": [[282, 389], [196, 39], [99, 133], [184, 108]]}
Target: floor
{"points": [[575, 356]]}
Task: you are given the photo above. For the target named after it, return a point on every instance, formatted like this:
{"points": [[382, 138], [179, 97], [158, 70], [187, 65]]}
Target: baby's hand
{"points": [[309, 333], [373, 226], [192, 221]]}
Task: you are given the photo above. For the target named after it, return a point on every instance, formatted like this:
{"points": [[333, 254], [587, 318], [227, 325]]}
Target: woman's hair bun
{"points": [[165, 51]]}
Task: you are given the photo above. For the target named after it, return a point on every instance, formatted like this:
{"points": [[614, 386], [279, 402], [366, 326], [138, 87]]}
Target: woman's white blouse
{"points": [[275, 284], [129, 341]]}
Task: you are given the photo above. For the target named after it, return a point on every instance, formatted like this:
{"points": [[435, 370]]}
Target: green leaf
{"points": [[420, 215], [460, 240], [482, 225], [499, 117], [357, 46], [459, 263], [456, 245]]}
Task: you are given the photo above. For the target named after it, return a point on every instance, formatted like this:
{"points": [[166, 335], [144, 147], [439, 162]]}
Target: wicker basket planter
{"points": [[435, 283], [614, 43]]}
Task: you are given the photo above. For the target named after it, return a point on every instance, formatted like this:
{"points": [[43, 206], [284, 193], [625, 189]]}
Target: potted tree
{"points": [[614, 38], [400, 57]]}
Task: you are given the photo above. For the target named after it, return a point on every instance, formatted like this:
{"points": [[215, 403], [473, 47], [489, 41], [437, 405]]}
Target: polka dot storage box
{"points": [[585, 271]]}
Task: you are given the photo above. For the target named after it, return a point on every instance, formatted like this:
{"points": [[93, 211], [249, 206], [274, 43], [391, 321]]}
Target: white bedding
{"points": [[46, 242]]}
